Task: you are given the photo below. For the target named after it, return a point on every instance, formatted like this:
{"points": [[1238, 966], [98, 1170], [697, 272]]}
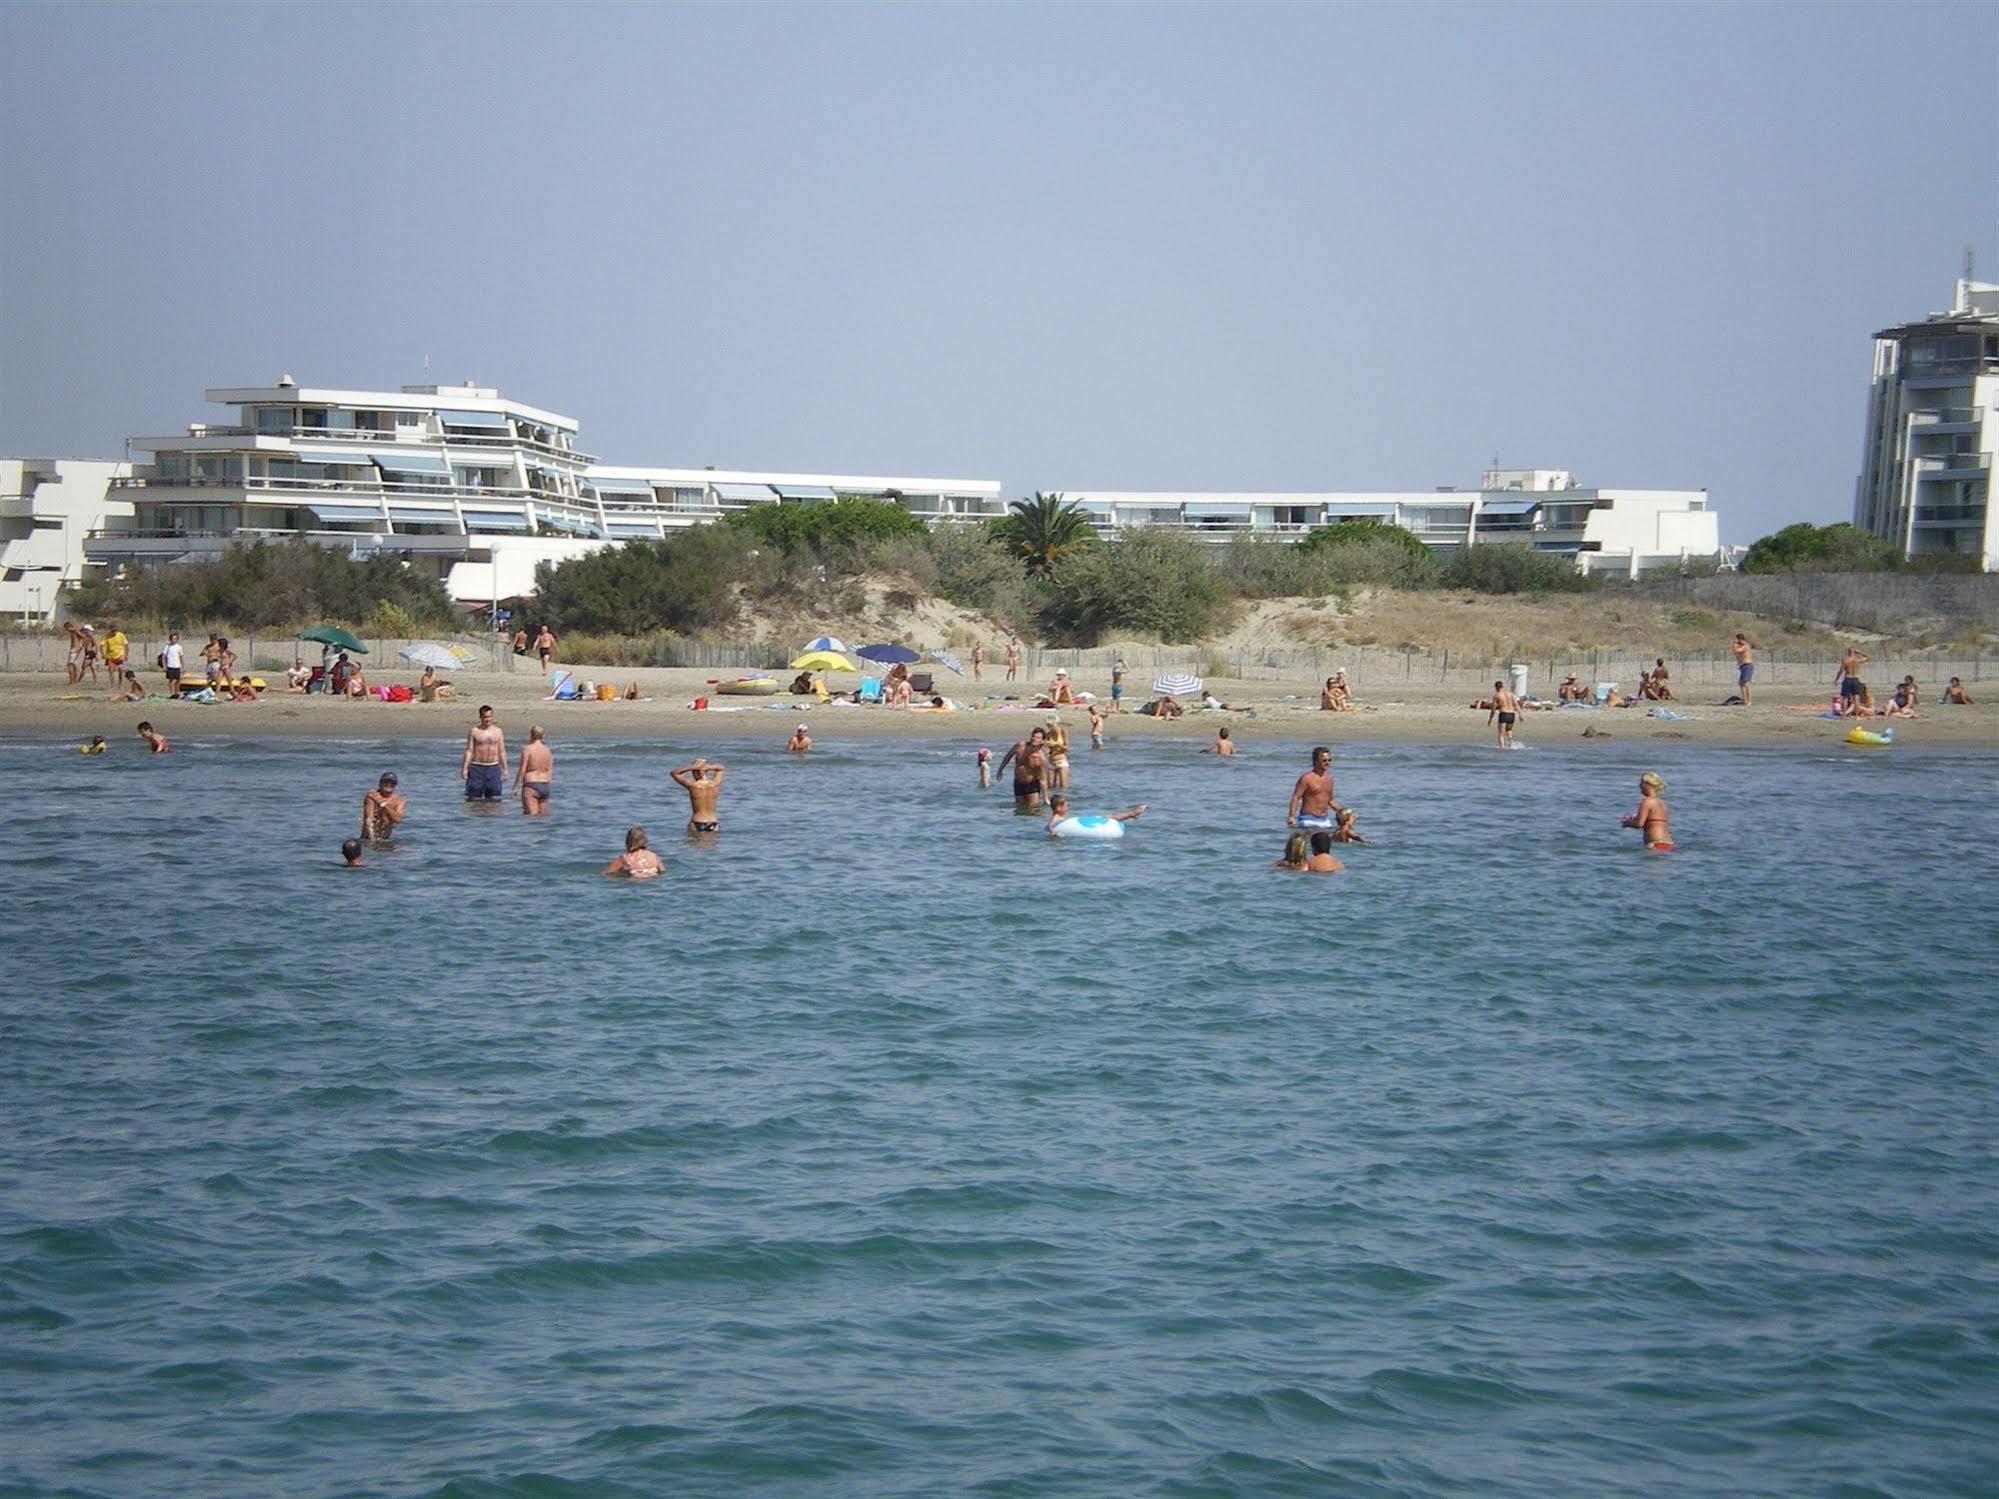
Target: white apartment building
{"points": [[1932, 428], [48, 506], [457, 478], [1624, 531]]}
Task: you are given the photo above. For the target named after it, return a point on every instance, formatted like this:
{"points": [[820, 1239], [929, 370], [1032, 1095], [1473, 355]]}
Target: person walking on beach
{"points": [[115, 647], [1117, 685], [1312, 805], [1745, 665], [1012, 657], [535, 775], [88, 640], [702, 781], [544, 646], [484, 766], [382, 809], [1506, 711], [978, 658], [1029, 758], [638, 861]]}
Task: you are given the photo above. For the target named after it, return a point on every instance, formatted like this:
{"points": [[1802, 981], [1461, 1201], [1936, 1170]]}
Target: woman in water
{"points": [[637, 861], [1650, 818], [1296, 852]]}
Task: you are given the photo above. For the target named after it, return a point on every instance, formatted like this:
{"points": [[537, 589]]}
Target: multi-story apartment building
{"points": [[1628, 531], [48, 506], [1932, 429], [455, 477]]}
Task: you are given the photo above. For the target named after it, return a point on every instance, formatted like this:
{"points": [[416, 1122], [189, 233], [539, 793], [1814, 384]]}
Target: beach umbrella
{"points": [[831, 643], [443, 657], [1176, 684], [889, 655], [949, 662], [823, 661], [334, 636]]}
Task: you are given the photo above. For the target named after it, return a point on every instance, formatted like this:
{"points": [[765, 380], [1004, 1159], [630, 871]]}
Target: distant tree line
{"points": [[1843, 548]]}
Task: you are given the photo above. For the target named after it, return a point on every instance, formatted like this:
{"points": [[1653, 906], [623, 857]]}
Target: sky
{"points": [[1124, 246]]}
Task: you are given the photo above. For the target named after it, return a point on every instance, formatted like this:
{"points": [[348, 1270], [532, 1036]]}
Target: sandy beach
{"points": [[39, 703]]}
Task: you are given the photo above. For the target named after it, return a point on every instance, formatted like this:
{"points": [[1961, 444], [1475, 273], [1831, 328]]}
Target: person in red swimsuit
{"points": [[1650, 818]]}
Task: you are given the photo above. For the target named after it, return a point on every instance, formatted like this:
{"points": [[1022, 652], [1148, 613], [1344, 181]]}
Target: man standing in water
{"points": [[1312, 805], [382, 809], [1029, 757], [484, 766], [1745, 665], [1506, 709], [702, 781], [535, 775]]}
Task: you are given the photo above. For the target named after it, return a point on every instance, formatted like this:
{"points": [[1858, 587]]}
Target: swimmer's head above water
{"points": [[351, 852]]}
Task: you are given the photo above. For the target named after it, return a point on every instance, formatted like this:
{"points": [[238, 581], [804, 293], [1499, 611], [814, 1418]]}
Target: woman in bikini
{"points": [[1650, 818], [637, 861]]}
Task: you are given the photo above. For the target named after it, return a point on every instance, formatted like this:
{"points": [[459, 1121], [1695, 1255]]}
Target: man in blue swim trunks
{"points": [[484, 768], [1312, 805], [1117, 685]]}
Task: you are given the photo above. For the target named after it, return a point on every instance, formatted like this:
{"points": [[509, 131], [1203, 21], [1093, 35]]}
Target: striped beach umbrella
{"points": [[1176, 684], [830, 643], [949, 662]]}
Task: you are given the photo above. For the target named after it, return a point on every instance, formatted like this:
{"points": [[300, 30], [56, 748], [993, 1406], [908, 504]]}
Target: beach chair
{"points": [[871, 690], [923, 682], [1601, 693]]}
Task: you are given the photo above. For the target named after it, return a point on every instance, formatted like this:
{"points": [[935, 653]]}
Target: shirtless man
{"points": [[1850, 688], [534, 777], [544, 646], [484, 765], [1745, 666], [1955, 693], [1505, 711], [1312, 805], [154, 738], [1223, 745], [382, 809], [1660, 676], [1571, 691], [1322, 860], [1029, 758], [800, 742], [1650, 818], [350, 854], [702, 781]]}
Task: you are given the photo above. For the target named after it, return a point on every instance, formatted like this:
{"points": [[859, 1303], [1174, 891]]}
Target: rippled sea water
{"points": [[885, 1147]]}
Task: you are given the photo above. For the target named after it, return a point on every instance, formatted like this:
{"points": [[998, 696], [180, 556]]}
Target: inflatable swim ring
{"points": [[1858, 735], [1088, 827], [748, 686]]}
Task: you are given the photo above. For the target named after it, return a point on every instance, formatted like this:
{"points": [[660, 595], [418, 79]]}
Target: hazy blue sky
{"points": [[1120, 246]]}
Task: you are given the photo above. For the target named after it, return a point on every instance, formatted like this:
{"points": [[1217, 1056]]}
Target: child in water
{"points": [[97, 746], [1346, 832], [1096, 727], [1650, 818], [1223, 745], [985, 769]]}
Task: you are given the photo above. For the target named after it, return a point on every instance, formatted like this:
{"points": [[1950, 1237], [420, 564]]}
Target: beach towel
{"points": [[1668, 713]]}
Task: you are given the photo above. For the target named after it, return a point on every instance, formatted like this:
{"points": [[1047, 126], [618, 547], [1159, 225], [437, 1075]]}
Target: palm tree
{"points": [[1045, 527]]}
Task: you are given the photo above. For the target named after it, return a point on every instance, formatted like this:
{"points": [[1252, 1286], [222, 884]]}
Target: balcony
{"points": [[1950, 515], [1951, 419], [1951, 465], [164, 544]]}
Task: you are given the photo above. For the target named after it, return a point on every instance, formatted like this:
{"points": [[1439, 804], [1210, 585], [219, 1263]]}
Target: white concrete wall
{"points": [[47, 507], [508, 570]]}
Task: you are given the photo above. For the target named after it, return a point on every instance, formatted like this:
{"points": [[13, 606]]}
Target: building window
{"points": [[274, 419]]}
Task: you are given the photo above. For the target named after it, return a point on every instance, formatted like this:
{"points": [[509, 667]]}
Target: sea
{"points": [[886, 1146]]}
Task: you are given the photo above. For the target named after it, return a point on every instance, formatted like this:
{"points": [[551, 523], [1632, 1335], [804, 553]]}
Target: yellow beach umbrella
{"points": [[823, 661]]}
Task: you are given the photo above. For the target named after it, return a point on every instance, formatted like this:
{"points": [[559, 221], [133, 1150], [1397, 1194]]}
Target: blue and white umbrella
{"points": [[949, 662], [1176, 684], [831, 643]]}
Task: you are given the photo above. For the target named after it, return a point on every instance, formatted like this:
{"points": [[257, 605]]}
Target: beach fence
{"points": [[41, 651], [1379, 670]]}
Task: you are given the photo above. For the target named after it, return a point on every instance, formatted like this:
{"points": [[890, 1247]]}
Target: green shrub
{"points": [[684, 584], [1513, 568], [1804, 547], [263, 585], [1147, 582], [837, 526]]}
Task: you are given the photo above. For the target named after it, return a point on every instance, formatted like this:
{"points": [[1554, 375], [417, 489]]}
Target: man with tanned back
{"points": [[1029, 758], [1506, 710], [1312, 805], [484, 766], [702, 781], [1849, 678]]}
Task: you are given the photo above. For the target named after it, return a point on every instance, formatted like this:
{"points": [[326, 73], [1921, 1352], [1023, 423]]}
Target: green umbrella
{"points": [[334, 636]]}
